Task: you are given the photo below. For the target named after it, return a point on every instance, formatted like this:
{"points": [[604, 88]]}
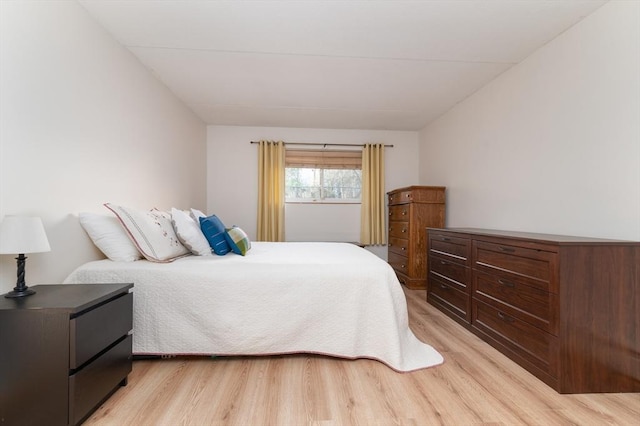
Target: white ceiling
{"points": [[393, 65]]}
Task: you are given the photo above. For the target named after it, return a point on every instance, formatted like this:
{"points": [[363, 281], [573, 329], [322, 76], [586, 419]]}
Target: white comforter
{"points": [[329, 298]]}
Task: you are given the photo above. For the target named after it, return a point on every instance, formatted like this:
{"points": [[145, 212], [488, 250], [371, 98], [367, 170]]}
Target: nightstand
{"points": [[63, 351]]}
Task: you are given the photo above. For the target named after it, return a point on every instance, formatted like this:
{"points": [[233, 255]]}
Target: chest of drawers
{"points": [[64, 350], [565, 308], [411, 210]]}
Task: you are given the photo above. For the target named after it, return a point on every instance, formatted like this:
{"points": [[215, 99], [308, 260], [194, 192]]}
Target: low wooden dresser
{"points": [[565, 308], [64, 350], [411, 210]]}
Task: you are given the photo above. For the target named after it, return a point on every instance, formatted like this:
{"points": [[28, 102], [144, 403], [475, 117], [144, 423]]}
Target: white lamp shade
{"points": [[23, 234]]}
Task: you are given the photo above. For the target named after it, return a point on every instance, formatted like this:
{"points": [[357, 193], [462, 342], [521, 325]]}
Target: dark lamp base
{"points": [[21, 289], [20, 293]]}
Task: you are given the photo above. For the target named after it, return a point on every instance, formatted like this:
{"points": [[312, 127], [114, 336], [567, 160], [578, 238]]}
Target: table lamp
{"points": [[20, 235]]}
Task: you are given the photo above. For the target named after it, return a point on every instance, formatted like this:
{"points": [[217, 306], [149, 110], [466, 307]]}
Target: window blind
{"points": [[325, 159]]}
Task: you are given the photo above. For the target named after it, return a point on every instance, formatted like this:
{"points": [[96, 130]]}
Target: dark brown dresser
{"points": [[411, 210], [63, 351], [565, 308]]}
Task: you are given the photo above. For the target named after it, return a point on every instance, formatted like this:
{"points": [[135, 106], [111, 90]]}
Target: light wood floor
{"points": [[475, 386]]}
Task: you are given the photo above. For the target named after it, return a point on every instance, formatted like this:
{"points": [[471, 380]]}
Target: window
{"points": [[323, 176]]}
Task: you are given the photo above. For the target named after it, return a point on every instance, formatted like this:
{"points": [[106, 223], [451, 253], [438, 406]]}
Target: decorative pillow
{"points": [[238, 240], [152, 232], [109, 236], [213, 230], [189, 233]]}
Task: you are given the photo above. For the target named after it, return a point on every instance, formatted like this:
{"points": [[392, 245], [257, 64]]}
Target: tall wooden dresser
{"points": [[411, 211], [565, 308]]}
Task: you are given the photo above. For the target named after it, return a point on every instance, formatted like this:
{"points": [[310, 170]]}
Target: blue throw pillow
{"points": [[214, 232], [238, 240]]}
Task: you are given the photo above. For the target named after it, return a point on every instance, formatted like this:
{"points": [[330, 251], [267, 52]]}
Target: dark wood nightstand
{"points": [[63, 351]]}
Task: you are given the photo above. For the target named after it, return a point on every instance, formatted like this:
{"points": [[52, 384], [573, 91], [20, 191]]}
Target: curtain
{"points": [[372, 219], [271, 191]]}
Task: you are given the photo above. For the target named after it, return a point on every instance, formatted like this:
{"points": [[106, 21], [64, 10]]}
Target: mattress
{"points": [[335, 299]]}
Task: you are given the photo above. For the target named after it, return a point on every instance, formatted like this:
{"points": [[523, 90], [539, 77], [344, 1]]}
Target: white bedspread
{"points": [[329, 298]]}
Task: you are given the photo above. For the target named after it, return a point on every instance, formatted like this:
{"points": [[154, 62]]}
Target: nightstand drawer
{"points": [[92, 384], [94, 330]]}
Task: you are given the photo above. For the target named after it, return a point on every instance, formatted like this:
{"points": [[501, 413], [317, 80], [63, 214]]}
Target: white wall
{"points": [[232, 164], [552, 145], [83, 123]]}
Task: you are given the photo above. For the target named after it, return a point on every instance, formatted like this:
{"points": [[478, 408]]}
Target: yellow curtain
{"points": [[372, 219], [270, 191]]}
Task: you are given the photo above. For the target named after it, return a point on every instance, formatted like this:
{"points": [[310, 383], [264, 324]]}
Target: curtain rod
{"points": [[326, 144]]}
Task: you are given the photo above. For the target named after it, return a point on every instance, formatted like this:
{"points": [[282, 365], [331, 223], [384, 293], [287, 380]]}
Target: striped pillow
{"points": [[213, 230], [151, 232]]}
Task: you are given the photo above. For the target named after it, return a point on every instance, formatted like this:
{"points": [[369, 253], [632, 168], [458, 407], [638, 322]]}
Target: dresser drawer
{"points": [[425, 195], [399, 229], [398, 262], [400, 212], [450, 271], [514, 296], [401, 197], [538, 265], [399, 246], [457, 249], [449, 297], [92, 384], [528, 342], [94, 330], [403, 278]]}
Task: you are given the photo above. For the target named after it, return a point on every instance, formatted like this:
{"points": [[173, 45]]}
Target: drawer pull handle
{"points": [[390, 244], [446, 239], [403, 266], [442, 262], [403, 248], [507, 249], [505, 317], [404, 212], [404, 230], [444, 287], [408, 195], [507, 283]]}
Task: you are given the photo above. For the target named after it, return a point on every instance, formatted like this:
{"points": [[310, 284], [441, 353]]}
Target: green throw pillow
{"points": [[238, 240]]}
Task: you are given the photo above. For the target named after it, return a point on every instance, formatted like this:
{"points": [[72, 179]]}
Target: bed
{"points": [[335, 299]]}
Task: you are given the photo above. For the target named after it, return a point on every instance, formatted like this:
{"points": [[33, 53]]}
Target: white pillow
{"points": [[196, 215], [152, 232], [189, 233], [109, 236]]}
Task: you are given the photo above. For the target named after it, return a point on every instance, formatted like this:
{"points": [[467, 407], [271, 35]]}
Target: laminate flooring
{"points": [[476, 385]]}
